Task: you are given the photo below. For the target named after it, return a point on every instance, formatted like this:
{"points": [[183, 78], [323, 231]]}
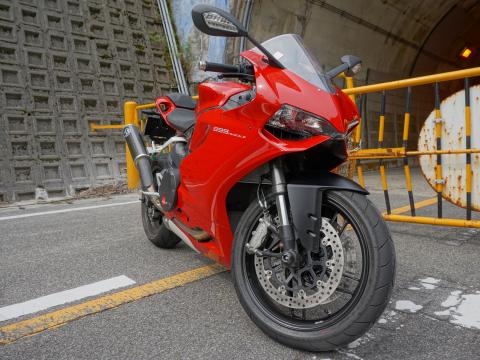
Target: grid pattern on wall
{"points": [[63, 65]]}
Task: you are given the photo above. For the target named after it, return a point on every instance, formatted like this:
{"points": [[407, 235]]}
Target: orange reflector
{"points": [[466, 52]]}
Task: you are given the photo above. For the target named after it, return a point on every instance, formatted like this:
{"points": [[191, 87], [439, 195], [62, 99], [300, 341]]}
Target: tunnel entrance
{"points": [[395, 39]]}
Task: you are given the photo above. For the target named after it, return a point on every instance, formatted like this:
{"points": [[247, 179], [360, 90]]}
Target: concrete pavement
{"points": [[46, 254]]}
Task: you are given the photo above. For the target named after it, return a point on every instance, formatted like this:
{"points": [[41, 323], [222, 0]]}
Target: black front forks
{"points": [[285, 231]]}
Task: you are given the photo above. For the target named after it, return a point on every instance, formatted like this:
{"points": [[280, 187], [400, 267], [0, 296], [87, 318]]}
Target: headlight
{"points": [[300, 124]]}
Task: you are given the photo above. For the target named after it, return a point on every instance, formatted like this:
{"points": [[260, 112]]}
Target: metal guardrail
{"points": [[382, 153], [95, 127]]}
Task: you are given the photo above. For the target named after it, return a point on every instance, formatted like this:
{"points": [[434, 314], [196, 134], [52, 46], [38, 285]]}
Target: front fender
{"points": [[305, 197]]}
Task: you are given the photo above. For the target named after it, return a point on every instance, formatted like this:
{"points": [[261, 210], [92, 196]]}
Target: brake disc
{"points": [[271, 275]]}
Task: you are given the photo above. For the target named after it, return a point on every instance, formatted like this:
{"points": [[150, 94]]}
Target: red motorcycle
{"points": [[244, 177]]}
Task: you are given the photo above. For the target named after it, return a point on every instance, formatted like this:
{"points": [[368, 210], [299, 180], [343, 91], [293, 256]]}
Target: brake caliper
{"points": [[258, 236]]}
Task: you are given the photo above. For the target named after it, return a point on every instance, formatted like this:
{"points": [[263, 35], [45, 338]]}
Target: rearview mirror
{"points": [[216, 22], [353, 62], [350, 66]]}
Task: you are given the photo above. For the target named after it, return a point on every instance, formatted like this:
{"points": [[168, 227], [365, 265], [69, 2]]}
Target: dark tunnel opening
{"points": [[395, 39]]}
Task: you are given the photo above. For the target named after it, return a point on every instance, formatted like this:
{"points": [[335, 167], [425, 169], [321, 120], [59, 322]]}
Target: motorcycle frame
{"points": [[229, 144]]}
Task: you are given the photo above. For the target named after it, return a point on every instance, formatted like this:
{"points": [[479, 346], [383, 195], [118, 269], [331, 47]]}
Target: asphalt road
{"points": [[54, 252]]}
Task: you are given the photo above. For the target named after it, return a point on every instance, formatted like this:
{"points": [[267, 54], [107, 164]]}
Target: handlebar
{"points": [[243, 70], [216, 67]]}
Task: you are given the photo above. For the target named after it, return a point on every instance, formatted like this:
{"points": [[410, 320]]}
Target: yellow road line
{"points": [[12, 332], [418, 205]]}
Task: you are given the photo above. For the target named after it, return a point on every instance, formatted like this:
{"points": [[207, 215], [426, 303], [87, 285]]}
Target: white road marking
{"points": [[63, 297], [66, 210]]}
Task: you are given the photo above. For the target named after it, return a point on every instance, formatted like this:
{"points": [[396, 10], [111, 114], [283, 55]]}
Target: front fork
{"points": [[285, 231]]}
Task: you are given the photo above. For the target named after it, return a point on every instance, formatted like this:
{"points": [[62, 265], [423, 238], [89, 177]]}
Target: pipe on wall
{"points": [[172, 47]]}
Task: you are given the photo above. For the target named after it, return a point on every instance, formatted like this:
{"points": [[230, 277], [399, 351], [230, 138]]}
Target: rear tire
{"points": [[367, 303], [155, 229]]}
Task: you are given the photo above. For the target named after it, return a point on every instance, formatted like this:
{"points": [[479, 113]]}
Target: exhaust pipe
{"points": [[142, 162], [177, 231], [139, 154]]}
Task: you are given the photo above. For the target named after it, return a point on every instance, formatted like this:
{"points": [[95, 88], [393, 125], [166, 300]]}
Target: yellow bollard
{"points": [[131, 118]]}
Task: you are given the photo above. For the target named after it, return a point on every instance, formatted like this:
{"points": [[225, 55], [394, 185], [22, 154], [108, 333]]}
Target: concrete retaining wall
{"points": [[64, 64]]}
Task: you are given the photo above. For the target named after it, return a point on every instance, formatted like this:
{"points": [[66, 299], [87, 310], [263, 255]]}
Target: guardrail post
{"points": [[438, 137], [131, 118], [381, 130], [356, 138], [468, 146], [406, 166]]}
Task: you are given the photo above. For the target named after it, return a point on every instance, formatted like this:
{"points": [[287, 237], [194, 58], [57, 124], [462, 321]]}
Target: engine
{"points": [[165, 158], [167, 173], [158, 165]]}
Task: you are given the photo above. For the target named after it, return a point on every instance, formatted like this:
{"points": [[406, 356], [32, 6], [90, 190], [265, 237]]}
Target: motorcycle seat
{"points": [[182, 101], [181, 119]]}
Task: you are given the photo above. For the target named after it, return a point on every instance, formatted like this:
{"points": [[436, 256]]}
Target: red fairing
{"points": [[216, 94], [229, 144], [348, 108]]}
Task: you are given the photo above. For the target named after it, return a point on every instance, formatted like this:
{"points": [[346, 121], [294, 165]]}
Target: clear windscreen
{"points": [[292, 53]]}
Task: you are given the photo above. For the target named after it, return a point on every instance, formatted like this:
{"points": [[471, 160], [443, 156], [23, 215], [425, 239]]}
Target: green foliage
{"points": [[155, 37]]}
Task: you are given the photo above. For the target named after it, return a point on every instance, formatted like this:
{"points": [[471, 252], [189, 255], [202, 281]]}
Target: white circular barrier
{"points": [[452, 112]]}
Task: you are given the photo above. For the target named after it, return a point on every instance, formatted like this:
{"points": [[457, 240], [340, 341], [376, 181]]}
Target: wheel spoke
{"points": [[273, 244], [350, 277], [289, 279], [342, 229], [339, 227], [344, 291], [334, 217]]}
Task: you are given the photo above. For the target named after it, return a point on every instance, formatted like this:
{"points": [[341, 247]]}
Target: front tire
{"points": [[154, 227], [368, 299]]}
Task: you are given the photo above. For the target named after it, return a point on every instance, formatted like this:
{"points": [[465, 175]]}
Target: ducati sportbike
{"points": [[244, 176]]}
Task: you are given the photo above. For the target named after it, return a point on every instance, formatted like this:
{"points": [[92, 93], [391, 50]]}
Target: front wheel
{"points": [[337, 292]]}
